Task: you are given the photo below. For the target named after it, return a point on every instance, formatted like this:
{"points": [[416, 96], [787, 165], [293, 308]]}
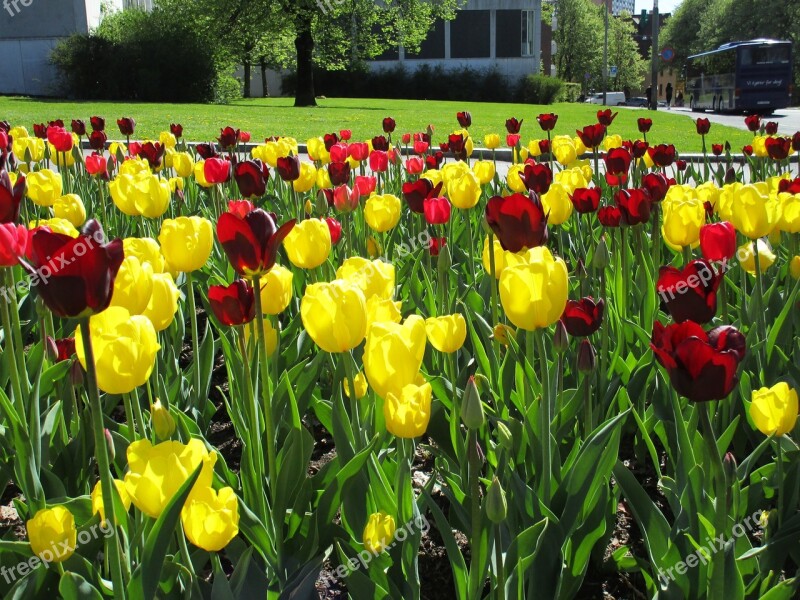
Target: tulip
{"points": [[157, 472], [754, 212], [644, 124], [251, 178], [547, 121], [634, 206], [586, 200], [233, 304], [211, 519], [513, 126], [375, 278], [54, 225], [97, 499], [52, 534], [491, 141], [288, 167], [746, 256], [437, 211], [96, 164], [718, 241], [683, 217], [537, 178], [592, 135], [378, 532], [334, 315], [389, 125], [335, 228], [790, 212], [383, 212], [393, 355], [339, 173], [44, 187], [142, 194], [689, 293], [604, 117], [703, 126], [518, 221], [97, 123], [250, 238], [662, 155], [778, 148], [464, 191], [407, 414], [583, 317], [657, 185], [186, 242], [13, 244], [228, 138], [499, 257], [360, 384], [133, 286], [163, 303], [60, 138], [365, 184], [534, 291], [126, 126], [308, 243], [382, 310], [774, 410], [446, 333], [276, 290], [306, 179], [11, 195], [701, 366], [618, 161]]}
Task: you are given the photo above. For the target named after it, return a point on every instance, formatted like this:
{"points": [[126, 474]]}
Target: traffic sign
{"points": [[612, 70], [667, 53]]}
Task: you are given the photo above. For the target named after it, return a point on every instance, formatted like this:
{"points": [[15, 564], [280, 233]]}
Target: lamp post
{"points": [[654, 60], [605, 50]]}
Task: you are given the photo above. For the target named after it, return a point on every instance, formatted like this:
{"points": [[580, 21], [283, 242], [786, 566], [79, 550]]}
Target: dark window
{"points": [[469, 34], [764, 55], [509, 33], [433, 46]]}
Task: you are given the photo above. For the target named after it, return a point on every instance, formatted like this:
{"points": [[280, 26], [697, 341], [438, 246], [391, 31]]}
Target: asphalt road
{"points": [[788, 119]]}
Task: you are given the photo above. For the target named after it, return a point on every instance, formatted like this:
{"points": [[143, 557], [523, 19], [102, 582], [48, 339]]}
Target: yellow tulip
{"points": [[382, 212], [534, 292], [378, 532], [163, 304], [755, 213], [684, 215], [163, 421], [334, 315], [133, 286], [211, 519], [167, 139], [790, 212], [393, 354], [200, 174], [612, 141], [484, 170], [534, 149], [774, 410], [573, 178], [557, 204], [454, 170], [446, 333], [324, 179], [308, 243], [134, 166], [125, 348], [513, 179], [407, 414], [276, 290], [359, 382], [746, 256], [116, 148], [270, 335], [465, 191], [499, 257], [146, 250], [434, 176], [97, 498], [374, 277], [307, 179], [142, 194], [18, 132], [70, 207], [760, 146], [491, 141], [564, 149], [28, 147], [317, 151], [56, 226], [183, 163], [44, 187], [381, 310], [794, 267], [52, 534], [186, 242]]}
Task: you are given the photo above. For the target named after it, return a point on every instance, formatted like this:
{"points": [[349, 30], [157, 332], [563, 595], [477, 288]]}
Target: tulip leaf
{"points": [[785, 590], [74, 587], [144, 581], [779, 322], [457, 563]]}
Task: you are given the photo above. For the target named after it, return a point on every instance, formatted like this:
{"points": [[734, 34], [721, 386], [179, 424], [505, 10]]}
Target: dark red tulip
{"points": [[126, 126], [228, 138], [547, 121], [97, 123], [56, 123], [434, 161], [464, 119], [435, 245], [537, 177], [656, 185], [518, 221], [40, 130], [609, 216], [586, 200], [97, 140], [456, 144], [329, 139], [662, 155], [512, 125], [153, 153], [217, 170], [60, 138], [753, 122], [381, 143], [778, 148], [702, 125], [583, 317], [681, 164], [289, 167], [544, 146], [718, 241], [644, 124], [251, 178], [634, 206], [65, 349], [74, 276], [789, 186], [747, 150], [638, 149], [701, 366], [604, 117], [389, 125], [339, 173], [78, 127], [771, 128], [592, 135], [335, 228], [796, 141], [416, 192], [618, 161], [716, 149], [176, 129], [10, 197], [436, 210], [587, 357], [233, 304], [251, 239], [689, 294], [207, 150]]}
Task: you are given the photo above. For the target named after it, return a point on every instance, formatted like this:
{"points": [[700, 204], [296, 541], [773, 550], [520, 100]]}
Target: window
{"points": [[528, 33]]}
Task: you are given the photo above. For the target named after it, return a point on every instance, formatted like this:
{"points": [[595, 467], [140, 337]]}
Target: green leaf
{"points": [[74, 587]]}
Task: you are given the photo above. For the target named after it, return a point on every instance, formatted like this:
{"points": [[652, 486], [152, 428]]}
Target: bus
{"points": [[752, 76]]}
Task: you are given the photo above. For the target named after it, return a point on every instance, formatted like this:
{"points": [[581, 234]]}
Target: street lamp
{"points": [[605, 51], [654, 60]]}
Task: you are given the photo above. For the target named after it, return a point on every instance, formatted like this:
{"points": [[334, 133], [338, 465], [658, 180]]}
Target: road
{"points": [[788, 119]]}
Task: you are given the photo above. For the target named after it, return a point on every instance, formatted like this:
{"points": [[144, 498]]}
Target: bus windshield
{"points": [[764, 55]]}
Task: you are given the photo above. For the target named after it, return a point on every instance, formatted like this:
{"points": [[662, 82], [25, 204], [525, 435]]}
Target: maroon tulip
{"points": [[381, 143], [251, 178], [40, 130], [56, 123], [662, 155], [796, 141], [703, 126], [339, 173], [64, 349], [518, 221], [771, 128], [609, 216], [464, 119], [583, 317], [97, 123], [335, 228], [330, 139], [701, 366], [126, 126], [718, 241], [547, 121], [716, 149], [60, 138], [250, 238], [176, 129], [618, 161], [634, 206], [74, 276], [228, 138], [97, 140], [778, 148], [456, 144], [587, 357], [78, 127], [207, 150], [437, 210], [586, 200], [604, 117], [537, 177], [289, 167], [638, 149], [153, 153], [544, 146], [753, 122], [217, 170], [681, 165], [656, 185], [416, 192], [789, 186], [512, 125], [10, 197], [434, 161], [389, 125], [435, 245], [644, 124], [233, 304], [592, 135], [689, 294]]}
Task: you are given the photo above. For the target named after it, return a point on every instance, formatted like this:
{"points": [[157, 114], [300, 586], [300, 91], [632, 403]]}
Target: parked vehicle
{"points": [[639, 101], [612, 98]]}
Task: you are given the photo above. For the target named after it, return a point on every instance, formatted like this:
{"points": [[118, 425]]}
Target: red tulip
{"points": [[233, 304], [639, 148], [656, 185], [97, 140], [405, 138], [251, 240], [206, 150], [778, 148], [662, 155], [40, 130], [365, 184], [609, 216], [583, 317], [345, 134], [771, 128], [64, 349], [10, 197], [513, 126], [176, 129], [747, 150], [796, 141], [421, 147], [634, 206], [153, 153], [60, 138], [335, 228], [753, 122], [547, 121], [718, 241], [435, 245], [716, 149], [228, 137], [96, 164], [518, 221], [339, 172], [681, 164], [592, 135], [586, 200], [74, 276], [618, 161], [434, 161], [416, 192], [464, 119], [126, 126], [244, 137], [217, 170], [56, 123], [13, 243], [78, 127], [378, 161], [329, 139], [389, 125], [437, 210], [358, 151], [380, 142], [512, 139], [604, 117], [644, 124], [544, 146], [537, 178], [97, 123], [251, 177], [339, 152], [789, 186], [701, 366], [289, 167], [703, 126], [415, 165], [345, 199], [689, 294]]}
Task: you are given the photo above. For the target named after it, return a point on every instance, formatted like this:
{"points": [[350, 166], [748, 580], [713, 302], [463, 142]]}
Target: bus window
{"points": [[762, 55]]}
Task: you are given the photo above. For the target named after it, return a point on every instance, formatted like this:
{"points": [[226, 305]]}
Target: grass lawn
{"points": [[277, 116]]}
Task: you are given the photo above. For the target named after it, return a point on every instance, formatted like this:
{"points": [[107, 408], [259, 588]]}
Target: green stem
{"points": [[126, 398], [474, 493], [19, 346], [253, 434], [455, 414], [195, 338], [498, 559], [348, 359], [587, 406], [547, 462], [779, 458], [760, 318], [16, 385], [717, 581], [468, 218]]}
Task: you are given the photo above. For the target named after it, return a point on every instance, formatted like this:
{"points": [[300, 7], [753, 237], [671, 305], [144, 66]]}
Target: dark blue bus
{"points": [[752, 76]]}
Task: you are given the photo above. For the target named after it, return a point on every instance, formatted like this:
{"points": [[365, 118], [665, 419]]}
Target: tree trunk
{"points": [[246, 66], [304, 44], [264, 85]]}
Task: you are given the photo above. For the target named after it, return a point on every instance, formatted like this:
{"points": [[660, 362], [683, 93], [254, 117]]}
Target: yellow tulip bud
{"points": [[52, 534], [183, 163], [307, 179], [514, 180], [774, 410], [163, 421], [360, 383], [557, 204], [491, 141], [378, 532], [374, 277], [70, 207], [755, 213]]}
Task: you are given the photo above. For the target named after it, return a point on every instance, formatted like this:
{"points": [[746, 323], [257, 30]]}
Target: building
{"points": [[620, 6]]}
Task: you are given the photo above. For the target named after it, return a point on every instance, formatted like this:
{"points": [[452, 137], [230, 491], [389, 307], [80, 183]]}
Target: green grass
{"points": [[277, 116]]}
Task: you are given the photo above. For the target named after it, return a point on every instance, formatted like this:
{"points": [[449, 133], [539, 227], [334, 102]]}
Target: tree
{"points": [[682, 30], [579, 40], [623, 51]]}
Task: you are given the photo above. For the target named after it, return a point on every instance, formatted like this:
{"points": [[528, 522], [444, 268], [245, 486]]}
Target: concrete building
{"points": [[620, 6], [30, 29]]}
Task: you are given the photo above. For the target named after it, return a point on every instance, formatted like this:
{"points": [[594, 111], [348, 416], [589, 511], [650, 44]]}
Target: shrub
{"points": [[541, 89], [570, 92]]}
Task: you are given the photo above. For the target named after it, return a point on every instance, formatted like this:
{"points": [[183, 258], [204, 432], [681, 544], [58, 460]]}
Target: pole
{"points": [[654, 59], [605, 51]]}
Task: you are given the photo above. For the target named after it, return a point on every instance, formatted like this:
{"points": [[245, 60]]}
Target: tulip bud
{"points": [[76, 374], [321, 203], [774, 237], [730, 176], [601, 257], [309, 207], [794, 267], [373, 248], [163, 422], [112, 453], [586, 357], [52, 349], [472, 407], [580, 269], [560, 338], [504, 437], [501, 333], [481, 381], [729, 467], [496, 506], [444, 262]]}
